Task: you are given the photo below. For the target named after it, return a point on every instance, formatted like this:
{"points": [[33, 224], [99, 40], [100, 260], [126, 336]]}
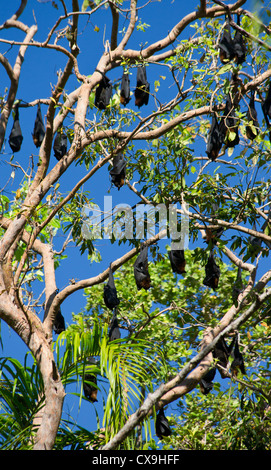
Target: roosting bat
{"points": [[252, 128], [206, 383], [142, 90], [59, 323], [39, 129], [141, 273], [60, 145], [239, 45], [215, 139], [125, 89], [111, 299], [162, 428], [114, 331], [118, 171], [90, 391], [266, 105], [103, 93], [177, 261], [221, 352], [226, 45], [15, 138], [212, 235], [238, 361], [212, 272]]}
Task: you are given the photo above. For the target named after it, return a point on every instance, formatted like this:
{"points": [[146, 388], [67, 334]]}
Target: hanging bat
{"points": [[142, 90], [39, 129], [238, 361], [177, 261], [162, 428], [89, 387], [141, 273], [212, 272], [125, 89], [110, 292], [226, 45], [103, 93], [266, 104], [239, 45], [222, 352], [238, 285], [60, 145], [206, 383], [229, 123], [59, 323], [15, 138], [114, 331], [252, 128], [215, 139], [118, 171]]}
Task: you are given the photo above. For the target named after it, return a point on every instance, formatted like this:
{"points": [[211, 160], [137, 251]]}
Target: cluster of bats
{"points": [[225, 131]]}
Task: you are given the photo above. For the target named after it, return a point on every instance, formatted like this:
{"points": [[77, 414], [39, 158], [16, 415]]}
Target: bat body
{"points": [[215, 139], [142, 90], [90, 391], [125, 89], [16, 138], [226, 45], [177, 261], [141, 273], [229, 124], [118, 172], [212, 273], [206, 383], [239, 45], [222, 353], [252, 128], [266, 105], [59, 323], [103, 93], [162, 428], [238, 361], [60, 145], [114, 332], [39, 129], [110, 292]]}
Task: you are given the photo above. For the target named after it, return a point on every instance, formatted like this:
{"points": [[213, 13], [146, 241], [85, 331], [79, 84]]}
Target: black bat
{"points": [[15, 138], [229, 124], [39, 129], [212, 235], [222, 352], [177, 261], [103, 93], [142, 90], [252, 128], [206, 383], [141, 273], [238, 360], [118, 171], [215, 139], [266, 104], [59, 323], [125, 89], [226, 45], [111, 299], [239, 45], [60, 145], [90, 390], [162, 428], [114, 331], [212, 272]]}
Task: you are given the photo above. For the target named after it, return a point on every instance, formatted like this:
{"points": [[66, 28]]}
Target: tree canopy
{"points": [[135, 225]]}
